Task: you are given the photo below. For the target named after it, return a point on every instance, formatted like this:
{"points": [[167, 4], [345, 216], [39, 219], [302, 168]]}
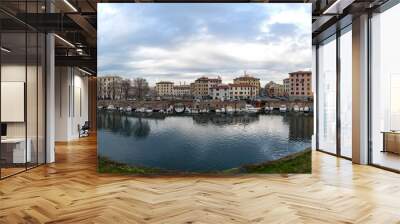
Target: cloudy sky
{"points": [[181, 42]]}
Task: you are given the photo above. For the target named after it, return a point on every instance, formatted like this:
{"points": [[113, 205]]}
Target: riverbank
{"points": [[299, 162]]}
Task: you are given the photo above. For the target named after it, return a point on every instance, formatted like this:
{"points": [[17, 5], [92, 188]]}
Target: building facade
{"points": [[286, 86], [274, 89], [220, 92], [242, 91], [300, 85], [202, 87], [249, 80], [165, 88], [181, 91], [109, 88]]}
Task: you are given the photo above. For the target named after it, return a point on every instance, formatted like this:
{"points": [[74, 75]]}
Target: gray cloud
{"points": [[180, 42]]}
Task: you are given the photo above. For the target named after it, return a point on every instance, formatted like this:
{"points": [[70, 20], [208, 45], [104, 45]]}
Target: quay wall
{"points": [[208, 104]]}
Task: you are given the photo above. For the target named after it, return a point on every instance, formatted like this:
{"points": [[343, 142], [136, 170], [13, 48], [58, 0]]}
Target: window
{"points": [[22, 75], [327, 95], [385, 88], [346, 93]]}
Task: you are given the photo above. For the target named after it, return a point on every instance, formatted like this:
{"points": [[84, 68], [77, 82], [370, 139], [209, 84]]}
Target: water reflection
{"points": [[201, 142]]}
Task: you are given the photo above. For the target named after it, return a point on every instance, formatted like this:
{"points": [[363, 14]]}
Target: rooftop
{"points": [[164, 82], [241, 85], [223, 86], [300, 72], [246, 77]]}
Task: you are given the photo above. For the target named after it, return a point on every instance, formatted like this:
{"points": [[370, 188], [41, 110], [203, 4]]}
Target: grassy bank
{"points": [[106, 165], [295, 163]]}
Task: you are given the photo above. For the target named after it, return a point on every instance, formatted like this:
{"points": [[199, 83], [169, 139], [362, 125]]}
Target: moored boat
{"points": [[283, 108]]}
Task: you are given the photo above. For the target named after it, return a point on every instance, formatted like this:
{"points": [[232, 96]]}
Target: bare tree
{"points": [[140, 87], [125, 88]]}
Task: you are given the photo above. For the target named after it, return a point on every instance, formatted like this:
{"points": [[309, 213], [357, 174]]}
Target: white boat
{"points": [[195, 111], [222, 110], [99, 107], [282, 108], [110, 107], [170, 109], [301, 109], [267, 108], [141, 110], [218, 111], [188, 110], [306, 109], [128, 109], [179, 109], [250, 109], [296, 108], [204, 111], [121, 109], [229, 110], [148, 110]]}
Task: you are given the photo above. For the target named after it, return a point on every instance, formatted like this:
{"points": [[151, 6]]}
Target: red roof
{"points": [[220, 87]]}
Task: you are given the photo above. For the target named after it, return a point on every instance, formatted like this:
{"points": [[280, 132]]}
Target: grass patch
{"points": [[106, 165], [299, 162], [296, 163]]}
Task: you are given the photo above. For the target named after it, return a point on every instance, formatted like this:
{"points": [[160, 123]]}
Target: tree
{"points": [[125, 88], [140, 88]]}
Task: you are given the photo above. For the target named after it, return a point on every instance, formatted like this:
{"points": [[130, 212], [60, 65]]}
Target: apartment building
{"points": [[274, 89], [109, 87], [220, 92], [181, 91], [202, 86], [286, 86], [300, 85], [250, 80], [165, 88], [242, 91]]}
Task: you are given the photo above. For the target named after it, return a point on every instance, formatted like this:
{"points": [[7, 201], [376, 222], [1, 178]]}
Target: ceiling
{"points": [[75, 21]]}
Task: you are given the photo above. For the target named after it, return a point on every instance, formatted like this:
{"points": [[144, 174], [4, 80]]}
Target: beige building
{"points": [[164, 88], [300, 85], [247, 79], [286, 86], [109, 87], [181, 91], [274, 89], [202, 86], [241, 91]]}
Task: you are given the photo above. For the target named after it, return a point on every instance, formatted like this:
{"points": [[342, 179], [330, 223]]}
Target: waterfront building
{"points": [[274, 89], [109, 87], [286, 86], [181, 91], [220, 92], [241, 91], [202, 86], [164, 88], [250, 80], [300, 85]]}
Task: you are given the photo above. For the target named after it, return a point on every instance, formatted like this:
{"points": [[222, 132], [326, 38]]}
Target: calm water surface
{"points": [[201, 143]]}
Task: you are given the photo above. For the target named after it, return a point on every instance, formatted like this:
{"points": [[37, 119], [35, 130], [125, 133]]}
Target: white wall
{"points": [[71, 102]]}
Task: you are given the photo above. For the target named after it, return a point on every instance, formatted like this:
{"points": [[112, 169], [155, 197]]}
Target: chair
{"points": [[84, 130]]}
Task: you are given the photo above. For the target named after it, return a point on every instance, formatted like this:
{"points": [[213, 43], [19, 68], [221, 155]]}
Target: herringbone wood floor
{"points": [[71, 191]]}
